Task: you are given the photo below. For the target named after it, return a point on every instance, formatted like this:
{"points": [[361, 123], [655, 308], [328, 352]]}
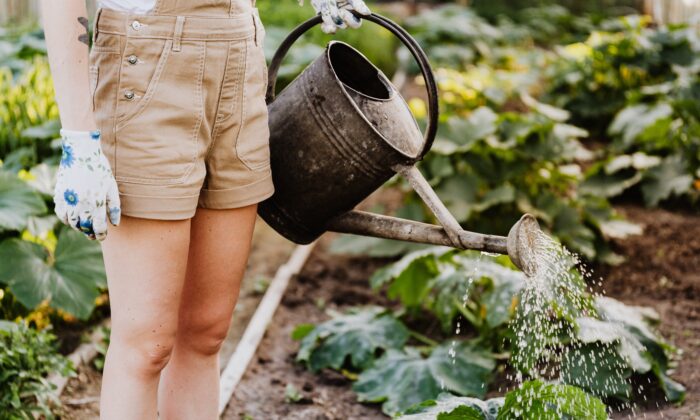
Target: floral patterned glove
{"points": [[336, 13], [85, 188]]}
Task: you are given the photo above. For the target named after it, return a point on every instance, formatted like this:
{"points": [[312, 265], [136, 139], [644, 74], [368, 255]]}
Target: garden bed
{"points": [[661, 271]]}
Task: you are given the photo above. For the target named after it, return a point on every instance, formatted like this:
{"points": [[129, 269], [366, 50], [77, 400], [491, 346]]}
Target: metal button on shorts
{"points": [[179, 95]]}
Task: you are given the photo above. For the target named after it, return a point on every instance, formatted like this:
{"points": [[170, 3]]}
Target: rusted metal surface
{"points": [[523, 242], [337, 133], [379, 226]]}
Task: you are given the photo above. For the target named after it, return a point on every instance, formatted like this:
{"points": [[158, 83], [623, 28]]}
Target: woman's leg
{"points": [[146, 261], [219, 248]]}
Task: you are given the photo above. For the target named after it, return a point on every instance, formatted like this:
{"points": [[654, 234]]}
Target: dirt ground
{"points": [[662, 270]]}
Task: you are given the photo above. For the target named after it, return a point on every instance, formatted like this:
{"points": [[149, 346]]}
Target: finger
{"points": [[73, 219], [328, 26], [99, 223], [351, 20], [114, 204], [61, 212], [360, 7], [85, 225], [335, 14]]}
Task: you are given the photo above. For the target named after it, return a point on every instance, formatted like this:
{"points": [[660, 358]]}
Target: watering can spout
{"points": [[519, 245]]}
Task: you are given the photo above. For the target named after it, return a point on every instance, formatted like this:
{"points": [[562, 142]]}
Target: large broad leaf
{"points": [[537, 400], [667, 179], [599, 369], [409, 277], [451, 407], [69, 279], [464, 132], [401, 379], [636, 322], [499, 301], [634, 119], [355, 336], [18, 201]]}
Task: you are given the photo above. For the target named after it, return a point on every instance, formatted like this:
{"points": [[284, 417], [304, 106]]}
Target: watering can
{"points": [[339, 131]]}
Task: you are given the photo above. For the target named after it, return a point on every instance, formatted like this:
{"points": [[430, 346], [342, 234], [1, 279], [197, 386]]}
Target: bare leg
{"points": [[219, 249], [146, 262]]}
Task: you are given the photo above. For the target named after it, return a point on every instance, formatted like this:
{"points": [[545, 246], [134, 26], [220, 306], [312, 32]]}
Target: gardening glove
{"points": [[336, 13], [85, 191]]}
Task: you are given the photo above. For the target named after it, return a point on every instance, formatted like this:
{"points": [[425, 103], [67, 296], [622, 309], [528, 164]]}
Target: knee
{"points": [[205, 334], [145, 354]]}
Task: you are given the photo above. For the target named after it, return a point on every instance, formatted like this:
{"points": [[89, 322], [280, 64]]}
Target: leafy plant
{"points": [[531, 400], [402, 378], [614, 347], [27, 356], [451, 407], [447, 283], [355, 337], [537, 400], [27, 103], [101, 346], [69, 275]]}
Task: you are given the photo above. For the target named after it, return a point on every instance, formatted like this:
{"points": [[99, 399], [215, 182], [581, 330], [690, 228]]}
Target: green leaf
{"points": [[356, 335], [70, 280], [609, 185], [667, 179], [537, 400], [674, 391], [410, 276], [451, 407], [18, 201], [599, 369], [401, 379], [43, 178], [466, 131], [301, 331], [633, 120]]}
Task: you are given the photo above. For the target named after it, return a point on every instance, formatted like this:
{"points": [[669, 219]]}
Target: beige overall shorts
{"points": [[179, 96]]}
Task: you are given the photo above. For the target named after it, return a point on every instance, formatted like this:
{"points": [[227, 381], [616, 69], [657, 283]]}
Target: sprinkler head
{"points": [[522, 244]]}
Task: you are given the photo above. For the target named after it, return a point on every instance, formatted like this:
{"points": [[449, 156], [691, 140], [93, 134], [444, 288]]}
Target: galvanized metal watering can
{"points": [[338, 132]]}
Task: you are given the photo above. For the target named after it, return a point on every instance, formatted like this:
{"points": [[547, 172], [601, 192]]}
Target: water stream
{"points": [[545, 344]]}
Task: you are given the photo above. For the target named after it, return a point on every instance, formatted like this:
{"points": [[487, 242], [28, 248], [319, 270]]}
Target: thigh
{"points": [[219, 248], [146, 262]]}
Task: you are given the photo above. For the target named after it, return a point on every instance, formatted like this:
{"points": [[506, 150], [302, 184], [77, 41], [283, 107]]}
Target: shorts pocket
{"points": [[253, 140], [143, 62], [157, 130]]}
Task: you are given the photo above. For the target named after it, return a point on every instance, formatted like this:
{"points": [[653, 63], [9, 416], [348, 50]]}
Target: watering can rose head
{"points": [[337, 14]]}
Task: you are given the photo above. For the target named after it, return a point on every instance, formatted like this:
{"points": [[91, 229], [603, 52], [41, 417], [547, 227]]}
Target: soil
{"points": [[662, 270]]}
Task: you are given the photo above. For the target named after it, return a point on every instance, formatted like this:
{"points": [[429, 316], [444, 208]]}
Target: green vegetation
{"points": [[26, 357], [605, 341]]}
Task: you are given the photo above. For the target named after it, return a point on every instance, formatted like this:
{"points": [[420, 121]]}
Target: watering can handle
{"points": [[401, 34]]}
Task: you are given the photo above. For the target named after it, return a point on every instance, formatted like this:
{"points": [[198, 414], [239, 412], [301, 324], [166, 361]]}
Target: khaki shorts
{"points": [[181, 105]]}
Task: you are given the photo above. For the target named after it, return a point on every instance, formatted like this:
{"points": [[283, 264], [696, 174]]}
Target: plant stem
{"points": [[423, 339]]}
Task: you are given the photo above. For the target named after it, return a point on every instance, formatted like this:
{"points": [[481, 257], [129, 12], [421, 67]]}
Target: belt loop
{"points": [[177, 36]]}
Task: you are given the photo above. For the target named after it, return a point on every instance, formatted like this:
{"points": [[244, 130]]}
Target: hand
{"points": [[85, 191], [336, 13]]}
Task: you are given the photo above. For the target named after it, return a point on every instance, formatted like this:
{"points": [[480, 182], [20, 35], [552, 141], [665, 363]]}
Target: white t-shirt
{"points": [[131, 6]]}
